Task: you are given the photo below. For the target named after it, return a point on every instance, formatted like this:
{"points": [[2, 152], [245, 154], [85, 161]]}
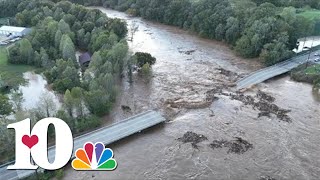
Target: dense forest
{"points": [[254, 28]]}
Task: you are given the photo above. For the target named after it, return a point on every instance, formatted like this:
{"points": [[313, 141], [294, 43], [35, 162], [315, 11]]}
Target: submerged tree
{"points": [[144, 58], [6, 107], [47, 106], [133, 29]]}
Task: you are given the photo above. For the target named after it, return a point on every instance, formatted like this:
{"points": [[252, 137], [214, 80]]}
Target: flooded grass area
{"points": [[32, 85], [311, 14], [34, 90]]}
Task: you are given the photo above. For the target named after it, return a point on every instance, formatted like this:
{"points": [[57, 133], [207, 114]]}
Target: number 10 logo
{"points": [[34, 144]]}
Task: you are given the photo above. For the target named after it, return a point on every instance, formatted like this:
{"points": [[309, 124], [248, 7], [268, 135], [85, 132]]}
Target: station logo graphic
{"points": [[32, 143], [94, 157]]}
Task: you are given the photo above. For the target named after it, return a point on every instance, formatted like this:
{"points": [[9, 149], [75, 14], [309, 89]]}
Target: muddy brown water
{"points": [[187, 68], [35, 88]]}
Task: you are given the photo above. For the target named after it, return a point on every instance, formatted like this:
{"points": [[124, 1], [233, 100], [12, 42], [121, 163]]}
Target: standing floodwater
{"points": [[214, 132], [34, 90]]}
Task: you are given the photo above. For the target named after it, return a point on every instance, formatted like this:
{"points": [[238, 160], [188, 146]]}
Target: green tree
{"points": [[46, 105], [67, 48], [45, 62], [26, 51], [233, 30], [64, 27], [81, 39], [146, 69], [68, 102], [98, 102], [52, 29], [276, 51], [219, 33], [96, 62], [144, 58], [17, 100], [57, 39], [6, 107], [78, 98]]}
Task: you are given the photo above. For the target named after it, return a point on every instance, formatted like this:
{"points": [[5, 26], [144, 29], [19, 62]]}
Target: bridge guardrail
{"points": [[284, 62]]}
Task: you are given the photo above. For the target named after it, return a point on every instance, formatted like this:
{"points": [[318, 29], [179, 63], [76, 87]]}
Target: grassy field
{"points": [[11, 75], [11, 68], [311, 14], [313, 70], [3, 56]]}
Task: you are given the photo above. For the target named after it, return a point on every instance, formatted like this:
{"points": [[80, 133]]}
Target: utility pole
{"points": [[304, 43], [310, 50]]}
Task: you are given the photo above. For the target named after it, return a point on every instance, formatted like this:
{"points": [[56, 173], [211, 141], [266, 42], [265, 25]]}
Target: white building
{"points": [[12, 30]]}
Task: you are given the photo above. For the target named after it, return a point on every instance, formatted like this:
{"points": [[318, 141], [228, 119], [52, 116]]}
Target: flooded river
{"points": [[192, 85]]}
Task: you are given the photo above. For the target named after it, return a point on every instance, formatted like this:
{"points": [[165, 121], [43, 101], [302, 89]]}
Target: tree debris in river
{"points": [[189, 52], [262, 102], [231, 75], [201, 104], [238, 146], [265, 97], [266, 178], [193, 138], [126, 108], [178, 103]]}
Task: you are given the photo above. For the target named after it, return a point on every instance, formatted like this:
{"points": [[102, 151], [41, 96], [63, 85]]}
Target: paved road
{"points": [[275, 70], [106, 135]]}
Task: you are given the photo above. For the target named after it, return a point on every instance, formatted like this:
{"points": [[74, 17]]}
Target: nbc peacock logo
{"points": [[94, 157]]}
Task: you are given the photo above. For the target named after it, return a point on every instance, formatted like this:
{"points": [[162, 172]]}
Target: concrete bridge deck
{"points": [[275, 70]]}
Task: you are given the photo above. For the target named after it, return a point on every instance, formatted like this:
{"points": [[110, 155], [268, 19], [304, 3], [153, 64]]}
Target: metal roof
{"points": [[84, 58], [12, 29]]}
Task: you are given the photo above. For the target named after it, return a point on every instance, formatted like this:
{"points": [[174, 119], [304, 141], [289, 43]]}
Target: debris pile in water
{"points": [[262, 102], [265, 97], [238, 146], [266, 178], [193, 138], [188, 52]]}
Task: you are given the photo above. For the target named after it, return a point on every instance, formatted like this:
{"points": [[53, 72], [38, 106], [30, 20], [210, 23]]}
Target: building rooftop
{"points": [[12, 28], [84, 58]]}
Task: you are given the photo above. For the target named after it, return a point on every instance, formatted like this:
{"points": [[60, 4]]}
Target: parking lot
{"points": [[4, 40]]}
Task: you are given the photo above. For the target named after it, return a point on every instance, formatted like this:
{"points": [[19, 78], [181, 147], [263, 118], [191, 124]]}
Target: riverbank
{"points": [[307, 73]]}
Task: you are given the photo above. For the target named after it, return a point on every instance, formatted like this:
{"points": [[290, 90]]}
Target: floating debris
{"points": [[266, 178], [189, 52], [265, 97], [238, 146], [126, 108], [227, 72], [264, 104], [193, 138]]}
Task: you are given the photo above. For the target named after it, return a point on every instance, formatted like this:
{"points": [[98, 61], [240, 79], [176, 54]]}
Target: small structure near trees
{"points": [[15, 31], [85, 59]]}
